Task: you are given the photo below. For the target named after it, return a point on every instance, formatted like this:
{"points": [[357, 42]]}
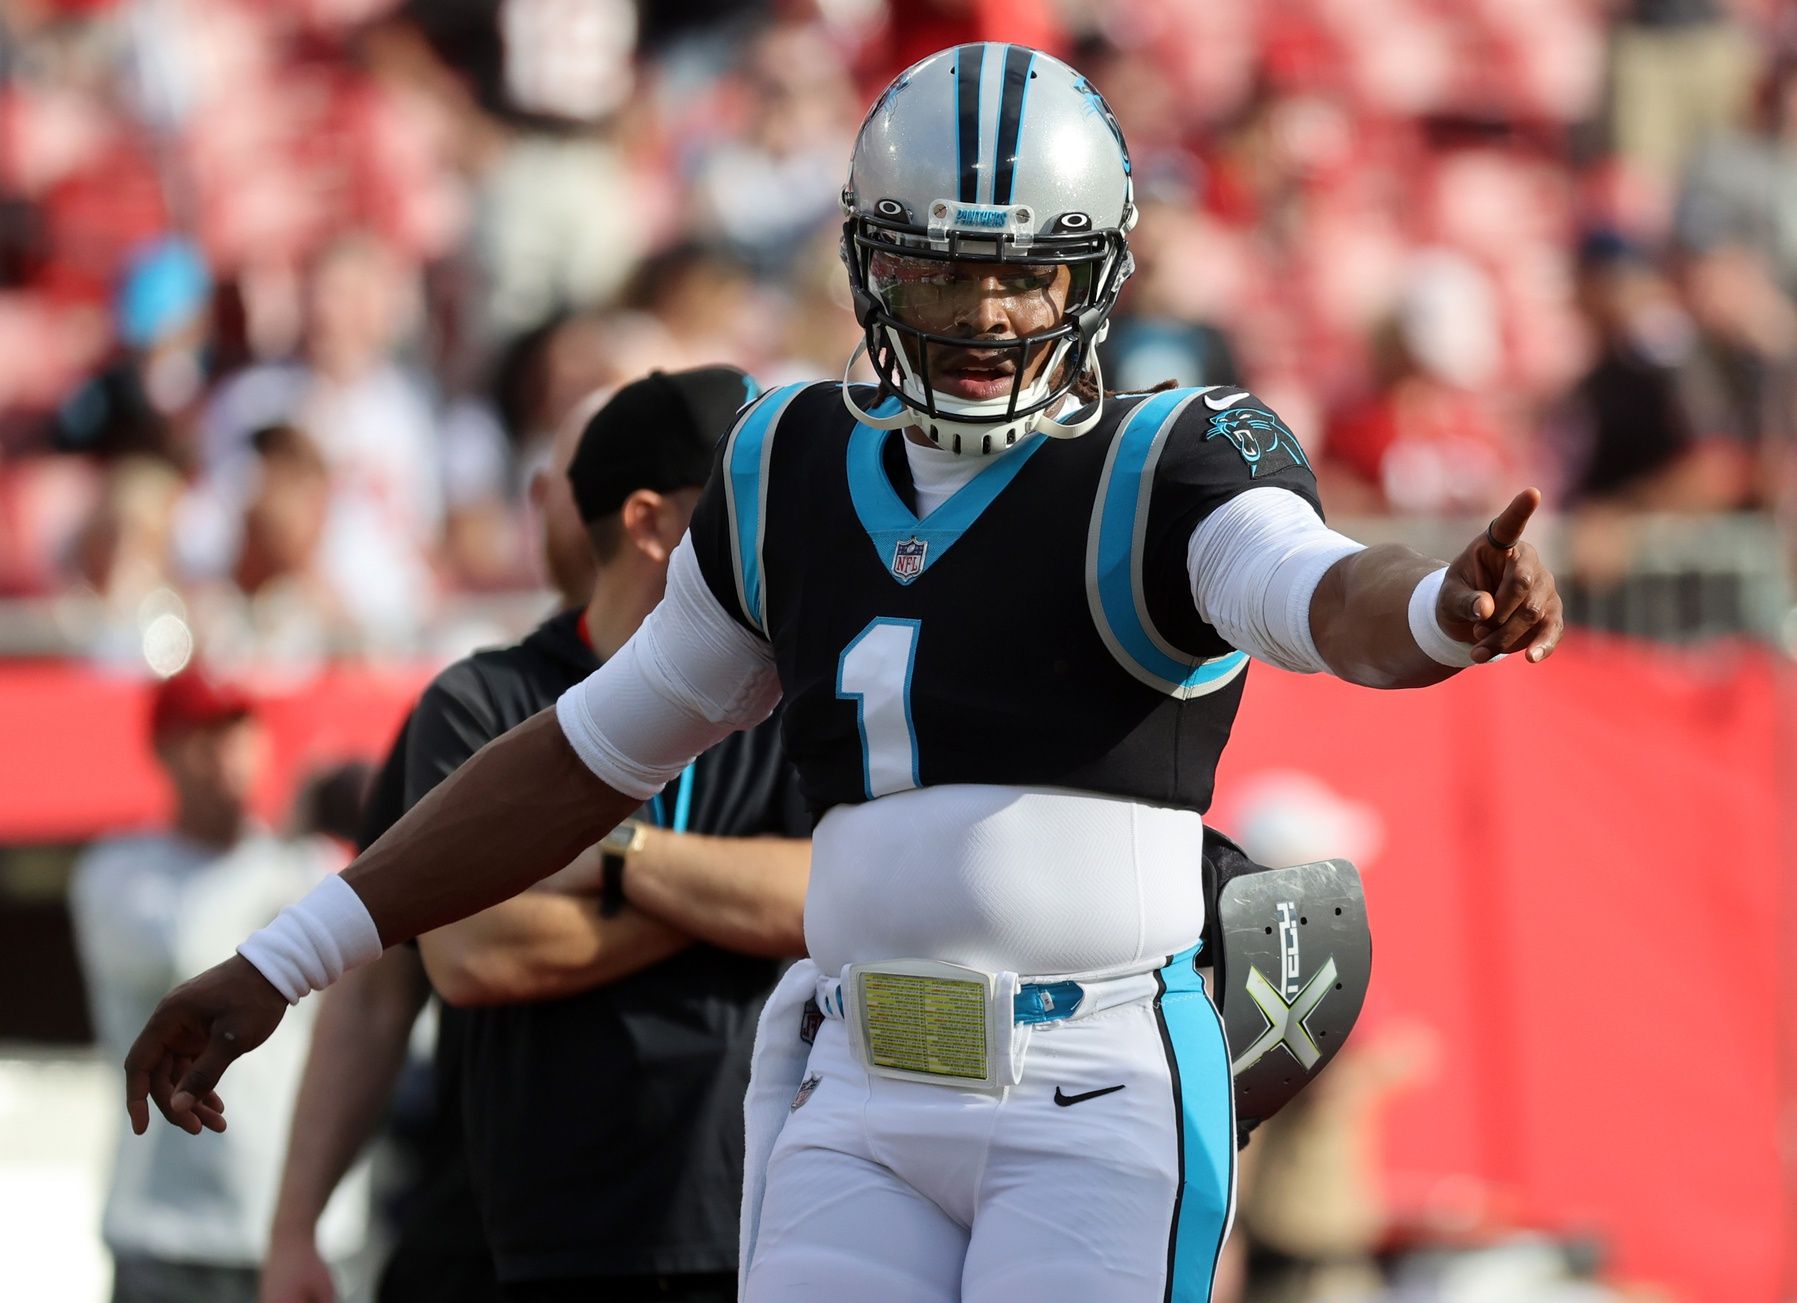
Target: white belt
{"points": [[925, 1020]]}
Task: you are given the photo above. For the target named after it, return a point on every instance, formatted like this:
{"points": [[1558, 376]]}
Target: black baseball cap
{"points": [[656, 433]]}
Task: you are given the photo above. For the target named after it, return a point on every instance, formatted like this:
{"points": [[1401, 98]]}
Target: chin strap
{"points": [[1073, 429], [1044, 423], [903, 417]]}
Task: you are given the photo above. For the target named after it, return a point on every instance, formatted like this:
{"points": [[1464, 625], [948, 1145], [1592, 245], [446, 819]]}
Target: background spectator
{"points": [[1742, 184], [1631, 436], [372, 421], [1680, 71], [147, 401], [1428, 438], [187, 1217], [763, 188], [398, 226], [1164, 330]]}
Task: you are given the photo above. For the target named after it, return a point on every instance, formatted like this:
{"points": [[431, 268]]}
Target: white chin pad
{"points": [[969, 435], [976, 427]]}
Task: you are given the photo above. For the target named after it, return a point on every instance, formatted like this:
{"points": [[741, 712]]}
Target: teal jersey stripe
{"points": [[1115, 560], [889, 522], [745, 494], [1204, 1100]]}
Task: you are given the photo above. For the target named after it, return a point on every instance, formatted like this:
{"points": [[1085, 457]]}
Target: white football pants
{"points": [[1106, 1176]]}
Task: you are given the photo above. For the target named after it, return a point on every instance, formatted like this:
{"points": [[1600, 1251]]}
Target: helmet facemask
{"points": [[914, 288]]}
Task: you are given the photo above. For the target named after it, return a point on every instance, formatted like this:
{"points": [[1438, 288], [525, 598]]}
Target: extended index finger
{"points": [[1507, 526]]}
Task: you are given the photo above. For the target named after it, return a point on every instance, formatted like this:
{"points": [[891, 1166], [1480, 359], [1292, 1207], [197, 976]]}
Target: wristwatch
{"points": [[624, 840]]}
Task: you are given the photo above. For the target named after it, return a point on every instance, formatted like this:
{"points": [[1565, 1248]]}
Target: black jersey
{"points": [[604, 1129], [1036, 629]]}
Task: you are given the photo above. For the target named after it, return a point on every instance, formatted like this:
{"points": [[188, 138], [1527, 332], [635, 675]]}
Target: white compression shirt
{"points": [[936, 473], [1038, 882]]}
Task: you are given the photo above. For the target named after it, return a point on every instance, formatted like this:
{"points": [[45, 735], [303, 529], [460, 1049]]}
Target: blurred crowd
{"points": [[291, 295]]}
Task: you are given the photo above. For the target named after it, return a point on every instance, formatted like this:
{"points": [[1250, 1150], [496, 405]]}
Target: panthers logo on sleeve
{"points": [[1263, 440]]}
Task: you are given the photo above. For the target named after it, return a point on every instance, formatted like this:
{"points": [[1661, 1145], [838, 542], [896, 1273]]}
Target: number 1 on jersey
{"points": [[875, 672]]}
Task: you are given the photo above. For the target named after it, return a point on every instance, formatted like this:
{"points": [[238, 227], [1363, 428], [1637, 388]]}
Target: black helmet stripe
{"points": [[967, 109], [1018, 59]]}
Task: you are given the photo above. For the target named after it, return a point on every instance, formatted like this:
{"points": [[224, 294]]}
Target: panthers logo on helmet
{"points": [[1262, 438], [1096, 103], [897, 84]]}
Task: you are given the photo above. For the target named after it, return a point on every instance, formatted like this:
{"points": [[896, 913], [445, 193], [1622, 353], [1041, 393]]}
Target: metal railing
{"points": [[1678, 579], [1683, 580]]}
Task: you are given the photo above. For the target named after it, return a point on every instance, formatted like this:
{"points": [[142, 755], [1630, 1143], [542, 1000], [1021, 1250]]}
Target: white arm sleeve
{"points": [[1254, 564], [690, 677]]}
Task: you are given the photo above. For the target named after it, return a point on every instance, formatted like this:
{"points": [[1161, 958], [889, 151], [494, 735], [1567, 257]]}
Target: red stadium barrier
{"points": [[1578, 892], [76, 760]]}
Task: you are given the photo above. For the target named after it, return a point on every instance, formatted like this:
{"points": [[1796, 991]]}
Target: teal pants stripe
{"points": [[1204, 1108]]}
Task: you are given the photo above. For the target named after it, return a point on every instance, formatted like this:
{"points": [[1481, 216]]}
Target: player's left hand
{"points": [[1498, 594], [194, 1033]]}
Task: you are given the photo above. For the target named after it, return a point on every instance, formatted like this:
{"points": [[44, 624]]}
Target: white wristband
{"points": [[315, 940], [1427, 630]]}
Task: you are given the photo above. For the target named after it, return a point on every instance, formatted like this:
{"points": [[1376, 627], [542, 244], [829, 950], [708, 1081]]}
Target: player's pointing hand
{"points": [[195, 1032], [1498, 594]]}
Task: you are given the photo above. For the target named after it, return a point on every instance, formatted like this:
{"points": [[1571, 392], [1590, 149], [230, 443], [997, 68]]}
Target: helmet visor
{"points": [[974, 332], [952, 296]]}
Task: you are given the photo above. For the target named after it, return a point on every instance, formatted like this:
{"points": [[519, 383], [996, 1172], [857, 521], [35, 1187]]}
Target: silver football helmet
{"points": [[1003, 158]]}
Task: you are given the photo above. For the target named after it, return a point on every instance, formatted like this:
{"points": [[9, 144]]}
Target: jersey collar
{"points": [[890, 522]]}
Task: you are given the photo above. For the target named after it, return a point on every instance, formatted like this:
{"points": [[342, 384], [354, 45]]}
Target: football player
{"points": [[1010, 615]]}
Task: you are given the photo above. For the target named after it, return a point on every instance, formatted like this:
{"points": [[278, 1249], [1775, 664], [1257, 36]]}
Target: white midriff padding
{"points": [[315, 940], [686, 680], [1254, 565], [1038, 881], [1426, 628]]}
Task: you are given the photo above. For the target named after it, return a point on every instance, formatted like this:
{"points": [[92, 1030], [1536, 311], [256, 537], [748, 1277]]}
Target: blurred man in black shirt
{"points": [[601, 1025]]}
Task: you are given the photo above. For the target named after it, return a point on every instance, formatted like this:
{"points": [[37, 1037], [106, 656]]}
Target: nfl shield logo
{"points": [[907, 559], [806, 1087]]}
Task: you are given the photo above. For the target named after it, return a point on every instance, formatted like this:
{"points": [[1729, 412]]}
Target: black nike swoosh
{"points": [[1064, 1100]]}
